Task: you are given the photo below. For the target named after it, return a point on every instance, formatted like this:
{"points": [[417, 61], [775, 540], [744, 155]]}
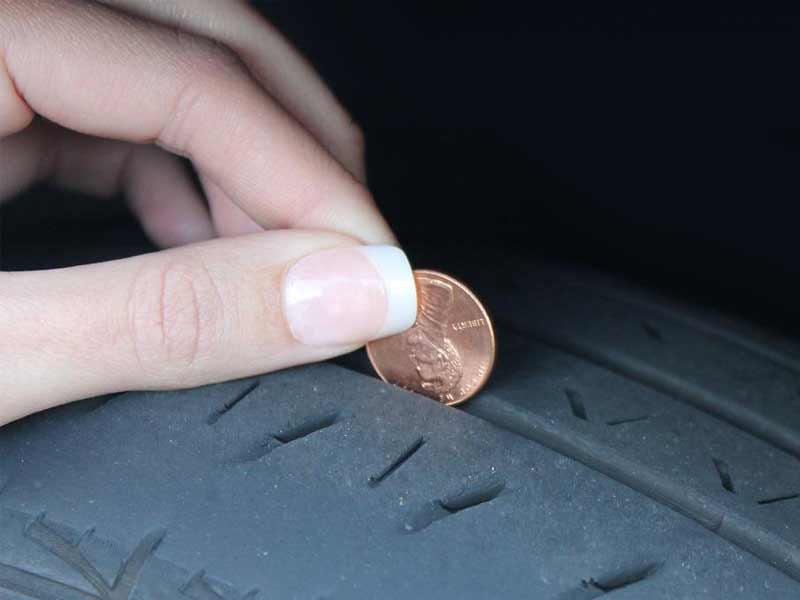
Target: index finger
{"points": [[104, 73]]}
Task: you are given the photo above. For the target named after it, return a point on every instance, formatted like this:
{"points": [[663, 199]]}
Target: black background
{"points": [[659, 143]]}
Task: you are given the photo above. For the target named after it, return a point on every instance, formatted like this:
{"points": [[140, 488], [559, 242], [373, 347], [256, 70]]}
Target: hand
{"points": [[123, 86]]}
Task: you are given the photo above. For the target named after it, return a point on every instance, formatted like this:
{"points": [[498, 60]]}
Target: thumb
{"points": [[218, 310]]}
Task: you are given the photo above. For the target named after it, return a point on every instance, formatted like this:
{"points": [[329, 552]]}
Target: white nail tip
{"points": [[401, 290]]}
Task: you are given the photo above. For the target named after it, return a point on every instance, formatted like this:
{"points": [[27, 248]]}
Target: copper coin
{"points": [[449, 352]]}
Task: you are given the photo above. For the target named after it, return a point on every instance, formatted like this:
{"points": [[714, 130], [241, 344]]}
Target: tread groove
{"points": [[445, 507], [69, 554], [622, 580], [651, 331], [306, 428], [376, 480], [616, 422], [696, 324], [85, 536], [778, 499], [737, 416], [724, 474], [131, 570], [576, 404], [38, 587], [472, 498], [696, 505], [198, 588], [231, 404]]}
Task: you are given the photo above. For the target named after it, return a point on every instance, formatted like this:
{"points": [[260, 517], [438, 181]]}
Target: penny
{"points": [[449, 352]]}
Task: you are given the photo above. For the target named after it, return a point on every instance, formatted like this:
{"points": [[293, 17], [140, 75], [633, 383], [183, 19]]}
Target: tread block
{"points": [[514, 518]]}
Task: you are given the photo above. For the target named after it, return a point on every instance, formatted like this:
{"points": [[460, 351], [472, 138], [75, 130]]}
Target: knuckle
{"points": [[206, 57], [176, 316], [208, 77]]}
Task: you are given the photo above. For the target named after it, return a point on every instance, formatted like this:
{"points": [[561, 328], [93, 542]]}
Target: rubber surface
{"points": [[626, 446]]}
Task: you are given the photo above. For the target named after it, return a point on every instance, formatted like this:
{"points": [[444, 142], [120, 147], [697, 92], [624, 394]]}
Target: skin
{"points": [[102, 97]]}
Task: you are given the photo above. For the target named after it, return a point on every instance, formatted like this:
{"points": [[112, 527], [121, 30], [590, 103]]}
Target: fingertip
{"points": [[349, 295], [394, 269]]}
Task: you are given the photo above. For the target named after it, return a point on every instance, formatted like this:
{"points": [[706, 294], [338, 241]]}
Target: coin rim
{"points": [[489, 323]]}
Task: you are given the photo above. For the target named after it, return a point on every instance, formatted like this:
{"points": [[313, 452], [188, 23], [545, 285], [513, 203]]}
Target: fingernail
{"points": [[349, 295]]}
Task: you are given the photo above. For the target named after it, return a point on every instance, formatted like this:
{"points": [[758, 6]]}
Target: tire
{"points": [[627, 445]]}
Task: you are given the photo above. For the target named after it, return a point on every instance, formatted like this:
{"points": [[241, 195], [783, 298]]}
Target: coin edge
{"points": [[492, 339]]}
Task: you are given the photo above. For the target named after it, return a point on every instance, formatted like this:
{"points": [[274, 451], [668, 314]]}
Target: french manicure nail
{"points": [[349, 295]]}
